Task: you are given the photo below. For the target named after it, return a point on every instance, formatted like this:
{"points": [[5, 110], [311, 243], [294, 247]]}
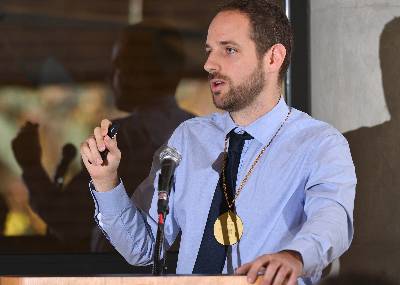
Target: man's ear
{"points": [[274, 57]]}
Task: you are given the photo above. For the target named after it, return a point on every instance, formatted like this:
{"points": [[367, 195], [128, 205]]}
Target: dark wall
{"points": [[299, 75]]}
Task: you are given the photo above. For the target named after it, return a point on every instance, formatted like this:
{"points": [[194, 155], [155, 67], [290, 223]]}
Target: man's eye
{"points": [[231, 50]]}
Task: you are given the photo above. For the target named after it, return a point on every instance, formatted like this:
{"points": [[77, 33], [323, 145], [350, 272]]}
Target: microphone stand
{"points": [[162, 210], [169, 160]]}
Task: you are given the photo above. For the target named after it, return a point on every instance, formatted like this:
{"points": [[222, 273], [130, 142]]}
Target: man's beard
{"points": [[243, 95]]}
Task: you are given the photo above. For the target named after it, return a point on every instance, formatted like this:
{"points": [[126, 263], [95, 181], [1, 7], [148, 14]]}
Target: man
{"points": [[291, 213]]}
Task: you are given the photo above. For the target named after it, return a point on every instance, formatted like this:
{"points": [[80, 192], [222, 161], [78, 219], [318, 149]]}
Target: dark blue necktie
{"points": [[211, 256]]}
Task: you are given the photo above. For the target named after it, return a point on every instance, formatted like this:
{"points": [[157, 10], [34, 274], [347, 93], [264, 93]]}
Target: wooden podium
{"points": [[127, 280]]}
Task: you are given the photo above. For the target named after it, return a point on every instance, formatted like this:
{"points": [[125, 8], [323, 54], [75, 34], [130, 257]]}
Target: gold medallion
{"points": [[228, 228]]}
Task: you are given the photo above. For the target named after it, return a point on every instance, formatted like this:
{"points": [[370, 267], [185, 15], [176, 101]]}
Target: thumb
{"points": [[111, 144]]}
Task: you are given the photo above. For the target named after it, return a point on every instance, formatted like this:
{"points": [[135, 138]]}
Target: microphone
{"points": [[68, 155], [169, 160]]}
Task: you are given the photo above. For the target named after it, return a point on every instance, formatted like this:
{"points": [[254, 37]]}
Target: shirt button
{"points": [[99, 219]]}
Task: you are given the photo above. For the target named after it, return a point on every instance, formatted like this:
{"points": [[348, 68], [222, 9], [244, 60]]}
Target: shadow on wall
{"points": [[376, 155]]}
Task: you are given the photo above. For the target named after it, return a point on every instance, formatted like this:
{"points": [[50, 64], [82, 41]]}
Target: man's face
{"points": [[236, 74]]}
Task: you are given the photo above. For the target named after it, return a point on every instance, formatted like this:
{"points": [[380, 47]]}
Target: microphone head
{"points": [[170, 153], [69, 151]]}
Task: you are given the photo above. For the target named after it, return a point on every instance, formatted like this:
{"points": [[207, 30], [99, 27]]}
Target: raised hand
{"points": [[26, 146], [103, 172]]}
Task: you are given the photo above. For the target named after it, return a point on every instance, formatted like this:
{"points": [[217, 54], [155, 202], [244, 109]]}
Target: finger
{"points": [[112, 146], [281, 276], [85, 160], [270, 273], [99, 139], [31, 125], [105, 123], [95, 157], [27, 127], [85, 152], [252, 274], [292, 279], [243, 269]]}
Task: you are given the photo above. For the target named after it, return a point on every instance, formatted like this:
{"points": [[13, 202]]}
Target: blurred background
{"points": [[65, 65], [58, 72]]}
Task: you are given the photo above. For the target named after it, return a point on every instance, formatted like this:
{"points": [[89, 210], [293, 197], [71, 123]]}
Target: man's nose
{"points": [[211, 65]]}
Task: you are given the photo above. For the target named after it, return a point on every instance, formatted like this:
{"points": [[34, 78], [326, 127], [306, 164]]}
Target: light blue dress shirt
{"points": [[300, 196]]}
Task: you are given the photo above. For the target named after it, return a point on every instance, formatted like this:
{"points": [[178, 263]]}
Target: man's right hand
{"points": [[103, 172]]}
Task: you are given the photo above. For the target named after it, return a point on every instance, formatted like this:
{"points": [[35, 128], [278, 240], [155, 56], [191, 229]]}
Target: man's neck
{"points": [[261, 106]]}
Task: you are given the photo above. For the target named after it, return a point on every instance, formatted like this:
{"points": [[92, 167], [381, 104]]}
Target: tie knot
{"points": [[236, 141]]}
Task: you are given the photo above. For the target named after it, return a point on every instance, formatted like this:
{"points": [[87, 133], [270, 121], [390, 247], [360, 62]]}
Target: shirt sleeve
{"points": [[130, 224], [328, 206]]}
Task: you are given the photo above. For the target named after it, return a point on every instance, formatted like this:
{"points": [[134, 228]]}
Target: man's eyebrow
{"points": [[222, 43], [225, 43]]}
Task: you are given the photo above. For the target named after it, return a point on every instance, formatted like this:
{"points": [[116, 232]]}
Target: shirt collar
{"points": [[264, 127]]}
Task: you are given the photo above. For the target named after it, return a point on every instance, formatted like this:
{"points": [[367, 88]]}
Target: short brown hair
{"points": [[269, 26]]}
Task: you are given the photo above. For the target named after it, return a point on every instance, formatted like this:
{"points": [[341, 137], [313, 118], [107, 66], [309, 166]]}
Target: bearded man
{"points": [[261, 189]]}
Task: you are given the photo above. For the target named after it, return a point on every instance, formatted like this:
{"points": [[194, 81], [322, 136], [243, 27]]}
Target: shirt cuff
{"points": [[309, 253], [112, 202]]}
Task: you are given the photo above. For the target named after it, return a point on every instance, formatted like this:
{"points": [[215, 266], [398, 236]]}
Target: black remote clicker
{"points": [[112, 131]]}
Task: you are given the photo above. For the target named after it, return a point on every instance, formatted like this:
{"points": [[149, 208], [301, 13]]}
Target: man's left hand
{"points": [[282, 268]]}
